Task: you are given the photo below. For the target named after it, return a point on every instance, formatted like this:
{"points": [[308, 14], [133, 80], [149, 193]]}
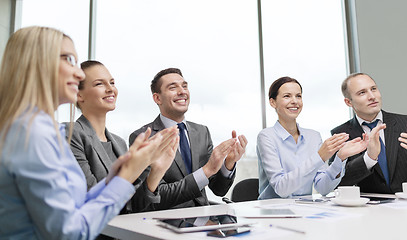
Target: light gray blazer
{"points": [[95, 163], [178, 189], [90, 153]]}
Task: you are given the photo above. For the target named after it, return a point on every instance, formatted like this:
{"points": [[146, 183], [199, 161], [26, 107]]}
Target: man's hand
{"points": [[219, 153], [403, 140], [373, 147], [237, 151]]}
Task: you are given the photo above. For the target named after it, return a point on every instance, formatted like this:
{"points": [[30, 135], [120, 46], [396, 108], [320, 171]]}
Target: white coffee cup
{"points": [[405, 187], [348, 192]]}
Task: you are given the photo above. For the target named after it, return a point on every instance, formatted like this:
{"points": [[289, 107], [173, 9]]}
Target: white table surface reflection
{"points": [[320, 221]]}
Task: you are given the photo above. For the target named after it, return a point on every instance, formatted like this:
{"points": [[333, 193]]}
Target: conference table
{"points": [[318, 220]]}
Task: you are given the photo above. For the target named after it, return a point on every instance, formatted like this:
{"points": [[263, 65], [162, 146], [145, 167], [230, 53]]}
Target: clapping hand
{"points": [[237, 151], [353, 147], [403, 140], [373, 147], [163, 157], [332, 145], [139, 156], [167, 149], [218, 155]]}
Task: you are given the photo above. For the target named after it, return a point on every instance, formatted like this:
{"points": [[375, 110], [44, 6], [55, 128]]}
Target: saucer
{"points": [[350, 202], [401, 195]]}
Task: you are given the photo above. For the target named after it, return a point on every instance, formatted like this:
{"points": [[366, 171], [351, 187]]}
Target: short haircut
{"points": [[156, 83], [275, 86], [345, 83]]}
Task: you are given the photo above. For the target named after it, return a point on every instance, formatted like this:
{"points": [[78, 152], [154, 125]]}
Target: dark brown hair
{"points": [[275, 86], [156, 83], [85, 65]]}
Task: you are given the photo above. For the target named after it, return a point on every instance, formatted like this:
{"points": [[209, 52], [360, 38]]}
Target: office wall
{"points": [[382, 39], [5, 17]]}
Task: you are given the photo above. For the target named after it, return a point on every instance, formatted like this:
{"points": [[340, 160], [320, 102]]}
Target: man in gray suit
{"points": [[382, 168], [183, 185]]}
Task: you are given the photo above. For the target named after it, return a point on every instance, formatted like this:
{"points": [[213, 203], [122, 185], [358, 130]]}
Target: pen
{"points": [[287, 229]]}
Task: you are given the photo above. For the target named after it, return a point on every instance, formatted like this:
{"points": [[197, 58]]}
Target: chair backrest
{"points": [[246, 190]]}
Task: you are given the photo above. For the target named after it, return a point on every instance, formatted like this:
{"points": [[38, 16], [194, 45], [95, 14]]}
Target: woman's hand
{"points": [[163, 158], [167, 148], [353, 147], [141, 155], [332, 145], [116, 166]]}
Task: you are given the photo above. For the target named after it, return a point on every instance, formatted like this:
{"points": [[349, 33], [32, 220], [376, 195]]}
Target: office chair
{"points": [[246, 190]]}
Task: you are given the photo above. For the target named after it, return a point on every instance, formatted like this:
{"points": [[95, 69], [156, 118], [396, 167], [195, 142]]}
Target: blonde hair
{"points": [[29, 75]]}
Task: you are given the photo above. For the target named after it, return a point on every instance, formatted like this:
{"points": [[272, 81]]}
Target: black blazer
{"points": [[178, 189], [372, 181], [95, 162]]}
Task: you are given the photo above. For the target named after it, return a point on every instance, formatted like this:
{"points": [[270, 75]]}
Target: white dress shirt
{"points": [[199, 174], [369, 161]]}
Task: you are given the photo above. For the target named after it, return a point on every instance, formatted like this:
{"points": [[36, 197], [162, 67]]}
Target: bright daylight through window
{"points": [[217, 49]]}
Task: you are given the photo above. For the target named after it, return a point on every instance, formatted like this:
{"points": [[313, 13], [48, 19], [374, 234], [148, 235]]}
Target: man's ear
{"points": [[157, 98], [348, 102], [272, 102]]}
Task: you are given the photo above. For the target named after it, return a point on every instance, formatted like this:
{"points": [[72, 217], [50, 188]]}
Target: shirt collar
{"points": [[379, 116], [62, 128], [169, 122], [282, 132]]}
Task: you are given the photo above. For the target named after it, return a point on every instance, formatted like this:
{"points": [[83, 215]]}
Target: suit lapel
{"points": [[96, 145], [118, 150], [355, 129], [158, 126], [390, 136]]}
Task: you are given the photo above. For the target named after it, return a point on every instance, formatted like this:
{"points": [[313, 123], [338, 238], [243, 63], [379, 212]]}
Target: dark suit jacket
{"points": [[178, 189], [95, 163], [372, 181]]}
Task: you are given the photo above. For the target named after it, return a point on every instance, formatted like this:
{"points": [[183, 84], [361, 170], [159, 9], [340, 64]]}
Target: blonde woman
{"points": [[43, 192]]}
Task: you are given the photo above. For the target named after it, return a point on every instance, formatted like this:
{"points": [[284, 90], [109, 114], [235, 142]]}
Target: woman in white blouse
{"points": [[292, 158]]}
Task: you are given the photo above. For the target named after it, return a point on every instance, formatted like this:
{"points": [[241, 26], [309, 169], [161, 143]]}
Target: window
{"points": [[215, 44], [305, 40], [218, 56], [71, 17]]}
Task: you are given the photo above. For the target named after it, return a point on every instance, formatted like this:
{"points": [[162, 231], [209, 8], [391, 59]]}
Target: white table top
{"points": [[319, 221]]}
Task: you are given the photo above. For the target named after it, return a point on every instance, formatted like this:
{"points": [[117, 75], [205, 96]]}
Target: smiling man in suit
{"points": [[197, 164], [382, 168]]}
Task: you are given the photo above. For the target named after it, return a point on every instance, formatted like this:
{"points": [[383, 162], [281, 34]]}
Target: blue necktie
{"points": [[184, 147], [382, 155]]}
